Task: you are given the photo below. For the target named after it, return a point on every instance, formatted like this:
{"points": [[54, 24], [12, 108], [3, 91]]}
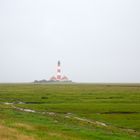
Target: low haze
{"points": [[95, 40]]}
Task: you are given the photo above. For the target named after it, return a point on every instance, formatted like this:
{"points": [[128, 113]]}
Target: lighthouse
{"points": [[58, 77]]}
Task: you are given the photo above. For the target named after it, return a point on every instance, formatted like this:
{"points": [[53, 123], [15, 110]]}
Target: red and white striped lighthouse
{"points": [[58, 75]]}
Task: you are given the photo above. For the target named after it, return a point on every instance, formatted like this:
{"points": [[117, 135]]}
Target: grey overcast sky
{"points": [[95, 40]]}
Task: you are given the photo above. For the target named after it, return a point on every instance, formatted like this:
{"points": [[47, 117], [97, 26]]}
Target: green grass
{"points": [[116, 105]]}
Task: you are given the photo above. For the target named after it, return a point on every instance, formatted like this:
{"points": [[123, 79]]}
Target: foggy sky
{"points": [[95, 40]]}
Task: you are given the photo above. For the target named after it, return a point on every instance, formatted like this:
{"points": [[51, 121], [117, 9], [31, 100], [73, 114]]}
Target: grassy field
{"points": [[69, 112]]}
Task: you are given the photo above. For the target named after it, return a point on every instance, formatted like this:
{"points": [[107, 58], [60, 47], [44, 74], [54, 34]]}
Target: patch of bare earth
{"points": [[24, 126], [7, 133]]}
